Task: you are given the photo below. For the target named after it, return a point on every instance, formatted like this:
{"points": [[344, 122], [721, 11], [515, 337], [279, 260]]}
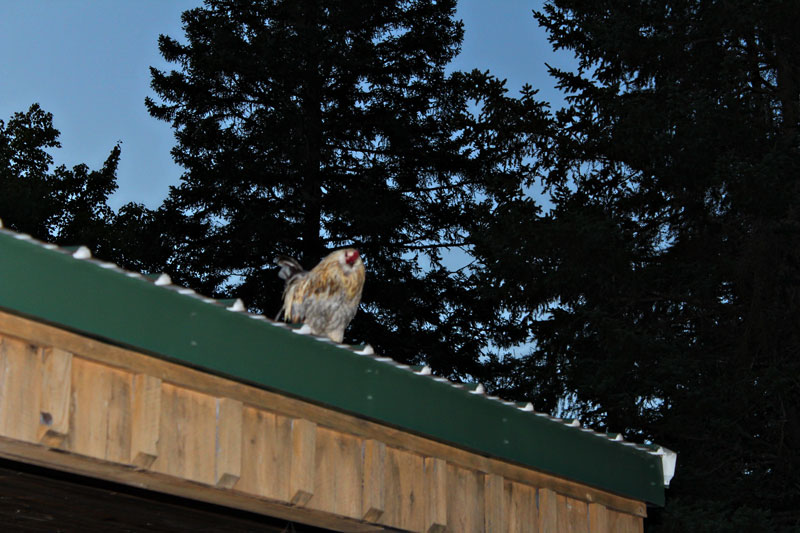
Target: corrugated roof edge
{"points": [[162, 282]]}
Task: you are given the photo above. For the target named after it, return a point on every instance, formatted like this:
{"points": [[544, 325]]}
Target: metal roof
{"points": [[68, 288]]}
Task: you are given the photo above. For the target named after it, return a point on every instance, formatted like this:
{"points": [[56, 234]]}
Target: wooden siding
{"points": [[73, 403]]}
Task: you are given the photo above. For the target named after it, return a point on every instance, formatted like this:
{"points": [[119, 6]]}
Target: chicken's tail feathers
{"points": [[289, 267]]}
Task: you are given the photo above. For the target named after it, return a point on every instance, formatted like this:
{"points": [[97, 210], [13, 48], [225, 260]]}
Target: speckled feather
{"points": [[325, 298]]}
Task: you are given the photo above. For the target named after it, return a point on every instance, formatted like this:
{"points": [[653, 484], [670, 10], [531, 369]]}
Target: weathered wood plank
{"points": [[118, 439], [625, 523], [228, 459], [338, 474], [266, 454], [405, 490], [464, 486], [435, 495], [88, 423], [572, 515], [548, 511], [373, 499], [186, 441], [55, 398], [494, 513], [301, 474], [101, 407], [520, 505], [20, 389], [599, 521], [145, 420]]}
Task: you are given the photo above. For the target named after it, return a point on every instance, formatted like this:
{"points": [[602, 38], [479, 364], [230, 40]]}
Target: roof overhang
{"points": [[70, 290]]}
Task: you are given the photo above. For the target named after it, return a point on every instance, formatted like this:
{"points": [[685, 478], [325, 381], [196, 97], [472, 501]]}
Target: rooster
{"points": [[326, 297]]}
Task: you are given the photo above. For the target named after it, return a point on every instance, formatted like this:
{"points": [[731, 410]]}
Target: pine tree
{"points": [[60, 205], [305, 126], [662, 289]]}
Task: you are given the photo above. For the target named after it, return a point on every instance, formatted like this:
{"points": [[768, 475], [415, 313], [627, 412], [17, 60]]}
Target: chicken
{"points": [[325, 298]]}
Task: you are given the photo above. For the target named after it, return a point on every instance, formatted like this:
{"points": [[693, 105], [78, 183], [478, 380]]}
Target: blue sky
{"points": [[87, 62]]}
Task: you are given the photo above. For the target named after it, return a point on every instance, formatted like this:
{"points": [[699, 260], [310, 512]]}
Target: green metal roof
{"points": [[98, 299]]}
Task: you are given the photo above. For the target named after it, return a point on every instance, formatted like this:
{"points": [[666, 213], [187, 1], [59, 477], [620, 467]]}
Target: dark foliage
{"points": [[662, 289], [59, 205]]}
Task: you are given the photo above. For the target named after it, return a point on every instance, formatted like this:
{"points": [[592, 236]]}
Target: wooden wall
{"points": [[72, 403]]}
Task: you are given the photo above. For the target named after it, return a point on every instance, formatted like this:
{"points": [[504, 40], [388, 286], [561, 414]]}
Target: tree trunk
{"points": [[311, 94]]}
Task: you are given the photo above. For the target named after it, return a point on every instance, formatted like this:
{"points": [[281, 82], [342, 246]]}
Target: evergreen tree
{"points": [[60, 205], [661, 291], [310, 125]]}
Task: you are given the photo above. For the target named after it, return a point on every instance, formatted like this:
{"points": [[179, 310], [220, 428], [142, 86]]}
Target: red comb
{"points": [[351, 257]]}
